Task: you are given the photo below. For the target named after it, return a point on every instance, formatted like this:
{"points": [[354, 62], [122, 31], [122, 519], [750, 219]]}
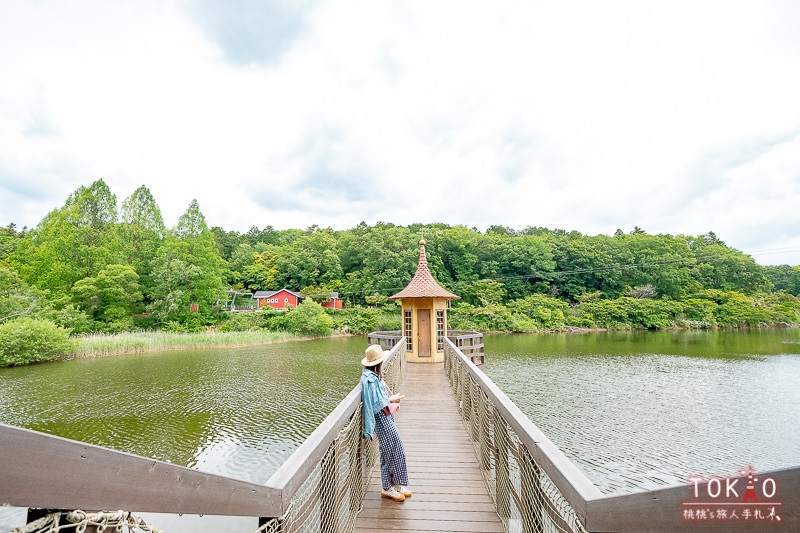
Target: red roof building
{"points": [[282, 299]]}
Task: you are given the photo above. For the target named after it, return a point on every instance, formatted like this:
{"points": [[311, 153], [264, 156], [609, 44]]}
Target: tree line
{"points": [[95, 264]]}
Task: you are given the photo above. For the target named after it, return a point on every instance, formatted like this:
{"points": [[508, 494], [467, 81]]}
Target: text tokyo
{"points": [[729, 488]]}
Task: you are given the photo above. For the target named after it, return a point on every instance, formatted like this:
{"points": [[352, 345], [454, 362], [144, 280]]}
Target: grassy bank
{"points": [[100, 344]]}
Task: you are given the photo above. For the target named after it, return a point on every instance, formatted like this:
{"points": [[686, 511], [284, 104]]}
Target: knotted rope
{"points": [[80, 520]]}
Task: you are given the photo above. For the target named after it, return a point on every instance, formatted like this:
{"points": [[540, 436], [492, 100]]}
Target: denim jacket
{"points": [[373, 398]]}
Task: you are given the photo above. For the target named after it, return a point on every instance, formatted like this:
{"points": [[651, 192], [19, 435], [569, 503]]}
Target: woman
{"points": [[377, 406]]}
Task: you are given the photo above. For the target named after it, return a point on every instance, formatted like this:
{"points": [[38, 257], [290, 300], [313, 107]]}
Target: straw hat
{"points": [[374, 355]]}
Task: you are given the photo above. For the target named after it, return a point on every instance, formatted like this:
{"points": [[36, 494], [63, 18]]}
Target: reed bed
{"points": [[99, 344]]}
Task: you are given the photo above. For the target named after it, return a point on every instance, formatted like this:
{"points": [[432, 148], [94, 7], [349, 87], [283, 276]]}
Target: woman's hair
{"points": [[375, 368]]}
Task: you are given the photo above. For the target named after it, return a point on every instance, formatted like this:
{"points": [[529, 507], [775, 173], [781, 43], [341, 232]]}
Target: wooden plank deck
{"points": [[449, 493]]}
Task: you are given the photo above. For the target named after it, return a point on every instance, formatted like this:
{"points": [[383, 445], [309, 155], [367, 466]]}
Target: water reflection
{"points": [[638, 410]]}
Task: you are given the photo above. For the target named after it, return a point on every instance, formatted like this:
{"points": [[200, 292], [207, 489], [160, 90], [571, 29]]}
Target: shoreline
{"points": [[578, 330], [567, 329], [124, 351]]}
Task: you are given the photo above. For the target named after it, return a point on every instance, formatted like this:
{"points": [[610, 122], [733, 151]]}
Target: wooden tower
{"points": [[424, 305]]}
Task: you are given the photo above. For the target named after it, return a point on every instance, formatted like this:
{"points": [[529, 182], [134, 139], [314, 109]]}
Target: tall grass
{"points": [[98, 344]]}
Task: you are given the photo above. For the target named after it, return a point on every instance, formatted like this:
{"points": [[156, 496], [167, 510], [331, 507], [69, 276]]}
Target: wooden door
{"points": [[423, 332]]}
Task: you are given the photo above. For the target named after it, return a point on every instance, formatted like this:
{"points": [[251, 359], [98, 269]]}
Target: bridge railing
{"points": [[470, 343], [536, 488], [319, 488], [386, 339], [323, 483]]}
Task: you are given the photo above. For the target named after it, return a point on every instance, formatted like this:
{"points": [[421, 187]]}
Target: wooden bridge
{"points": [[476, 463], [449, 491]]}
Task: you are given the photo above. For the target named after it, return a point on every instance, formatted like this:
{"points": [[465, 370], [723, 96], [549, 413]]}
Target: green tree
{"points": [[188, 269], [726, 269], [484, 292], [142, 233], [112, 296], [171, 294], [227, 242], [71, 243], [10, 239], [784, 278], [310, 260], [379, 259]]}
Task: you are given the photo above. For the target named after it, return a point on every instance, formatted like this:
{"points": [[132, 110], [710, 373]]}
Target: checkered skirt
{"points": [[393, 454]]}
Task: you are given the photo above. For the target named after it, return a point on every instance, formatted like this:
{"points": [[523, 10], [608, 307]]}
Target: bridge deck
{"points": [[449, 493]]}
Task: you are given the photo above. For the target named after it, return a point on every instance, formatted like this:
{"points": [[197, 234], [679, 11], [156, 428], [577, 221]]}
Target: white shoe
{"points": [[405, 491], [393, 494]]}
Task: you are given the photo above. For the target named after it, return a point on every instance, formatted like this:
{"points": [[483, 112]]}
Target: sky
{"points": [[679, 117]]}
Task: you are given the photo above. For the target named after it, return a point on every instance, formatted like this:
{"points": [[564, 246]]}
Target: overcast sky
{"points": [[678, 117]]}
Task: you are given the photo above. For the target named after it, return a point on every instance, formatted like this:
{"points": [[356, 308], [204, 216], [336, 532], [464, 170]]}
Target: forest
{"points": [[95, 265]]}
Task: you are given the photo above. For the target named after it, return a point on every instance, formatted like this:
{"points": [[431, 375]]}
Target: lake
{"points": [[647, 409], [633, 410]]}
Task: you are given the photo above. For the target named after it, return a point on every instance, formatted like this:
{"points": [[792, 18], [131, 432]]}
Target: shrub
{"points": [[29, 340], [389, 322], [356, 321], [309, 318], [542, 311], [488, 318], [245, 322]]}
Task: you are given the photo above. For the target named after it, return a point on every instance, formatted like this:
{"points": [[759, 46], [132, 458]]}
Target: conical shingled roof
{"points": [[423, 285]]}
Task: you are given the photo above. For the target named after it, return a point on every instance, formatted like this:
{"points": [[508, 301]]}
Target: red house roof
{"points": [[423, 285]]}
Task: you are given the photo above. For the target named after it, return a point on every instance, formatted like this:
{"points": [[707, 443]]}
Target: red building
{"points": [[333, 302], [282, 299]]}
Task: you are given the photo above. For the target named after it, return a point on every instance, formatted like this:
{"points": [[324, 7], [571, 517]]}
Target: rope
{"points": [[80, 520]]}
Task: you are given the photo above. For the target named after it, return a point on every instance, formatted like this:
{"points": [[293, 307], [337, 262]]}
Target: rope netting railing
{"points": [[526, 497], [331, 496]]}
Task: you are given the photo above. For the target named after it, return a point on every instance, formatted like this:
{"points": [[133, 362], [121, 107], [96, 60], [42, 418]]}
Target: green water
{"points": [[237, 412], [641, 410], [632, 410]]}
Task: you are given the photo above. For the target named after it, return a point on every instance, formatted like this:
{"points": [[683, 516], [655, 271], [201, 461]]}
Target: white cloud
{"points": [[574, 114]]}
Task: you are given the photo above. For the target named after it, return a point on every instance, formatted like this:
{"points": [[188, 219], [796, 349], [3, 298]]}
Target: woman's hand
{"points": [[395, 398]]}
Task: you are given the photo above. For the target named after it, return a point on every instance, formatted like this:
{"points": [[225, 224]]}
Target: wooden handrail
{"points": [[662, 509], [658, 510], [294, 471], [576, 488], [41, 470]]}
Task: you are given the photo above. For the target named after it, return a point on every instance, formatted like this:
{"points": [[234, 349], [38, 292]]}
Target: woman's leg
{"points": [[393, 454]]}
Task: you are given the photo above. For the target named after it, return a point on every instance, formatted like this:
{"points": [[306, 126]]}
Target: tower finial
{"points": [[422, 239]]}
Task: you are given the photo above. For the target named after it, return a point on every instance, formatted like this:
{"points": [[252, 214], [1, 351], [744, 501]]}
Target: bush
{"points": [[356, 321], [465, 316], [309, 318], [389, 322], [28, 340], [543, 311], [245, 322]]}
